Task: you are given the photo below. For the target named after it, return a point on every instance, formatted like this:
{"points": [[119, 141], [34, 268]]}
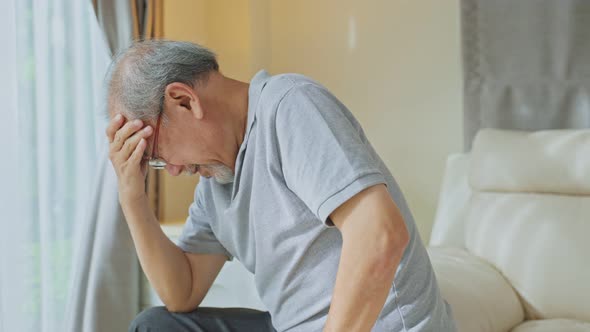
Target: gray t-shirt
{"points": [[303, 155]]}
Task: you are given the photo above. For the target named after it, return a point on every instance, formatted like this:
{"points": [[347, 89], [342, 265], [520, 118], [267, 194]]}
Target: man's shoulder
{"points": [[284, 90], [290, 79], [278, 86]]}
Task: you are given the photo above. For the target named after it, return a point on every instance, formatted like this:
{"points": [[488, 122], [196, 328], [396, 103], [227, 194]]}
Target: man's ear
{"points": [[182, 97]]}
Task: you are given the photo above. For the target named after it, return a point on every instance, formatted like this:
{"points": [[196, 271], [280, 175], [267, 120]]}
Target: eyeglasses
{"points": [[154, 161]]}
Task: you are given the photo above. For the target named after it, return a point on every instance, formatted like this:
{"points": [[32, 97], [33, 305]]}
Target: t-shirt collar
{"points": [[256, 86], [255, 90]]}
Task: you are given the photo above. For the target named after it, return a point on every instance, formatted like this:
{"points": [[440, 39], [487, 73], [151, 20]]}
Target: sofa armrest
{"points": [[481, 298], [449, 222]]}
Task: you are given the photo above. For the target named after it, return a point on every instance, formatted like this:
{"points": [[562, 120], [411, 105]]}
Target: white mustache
{"points": [[221, 173]]}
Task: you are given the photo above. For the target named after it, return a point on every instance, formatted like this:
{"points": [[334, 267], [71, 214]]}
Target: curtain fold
{"points": [[128, 20], [8, 133], [105, 289], [105, 292], [526, 65]]}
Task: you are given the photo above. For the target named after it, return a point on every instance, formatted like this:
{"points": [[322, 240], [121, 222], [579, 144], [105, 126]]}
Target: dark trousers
{"points": [[158, 319]]}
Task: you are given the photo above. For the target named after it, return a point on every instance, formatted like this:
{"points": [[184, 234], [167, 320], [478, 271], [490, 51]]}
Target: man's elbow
{"points": [[186, 305], [399, 241], [391, 245], [181, 307]]}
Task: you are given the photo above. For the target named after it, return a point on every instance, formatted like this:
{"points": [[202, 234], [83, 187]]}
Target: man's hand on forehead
{"points": [[127, 147]]}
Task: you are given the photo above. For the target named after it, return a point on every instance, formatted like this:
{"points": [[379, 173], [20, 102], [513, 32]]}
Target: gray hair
{"points": [[138, 76]]}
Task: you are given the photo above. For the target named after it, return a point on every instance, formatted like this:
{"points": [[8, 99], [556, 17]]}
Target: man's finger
{"points": [[137, 155], [124, 133], [113, 126], [131, 142]]}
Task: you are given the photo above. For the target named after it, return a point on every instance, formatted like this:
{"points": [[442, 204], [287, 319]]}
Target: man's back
{"points": [[303, 155]]}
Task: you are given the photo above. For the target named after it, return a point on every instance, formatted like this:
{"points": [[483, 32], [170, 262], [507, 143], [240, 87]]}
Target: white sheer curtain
{"points": [[52, 125]]}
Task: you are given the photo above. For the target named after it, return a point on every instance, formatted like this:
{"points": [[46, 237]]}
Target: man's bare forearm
{"points": [[166, 266], [374, 237], [364, 279]]}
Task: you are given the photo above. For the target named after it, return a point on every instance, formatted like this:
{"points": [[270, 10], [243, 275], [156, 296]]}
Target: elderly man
{"points": [[290, 187]]}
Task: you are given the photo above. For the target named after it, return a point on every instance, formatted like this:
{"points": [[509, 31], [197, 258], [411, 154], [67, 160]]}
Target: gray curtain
{"points": [[105, 289], [526, 64], [105, 294], [126, 20]]}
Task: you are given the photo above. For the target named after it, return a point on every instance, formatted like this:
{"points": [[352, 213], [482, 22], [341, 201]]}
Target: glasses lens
{"points": [[157, 163]]}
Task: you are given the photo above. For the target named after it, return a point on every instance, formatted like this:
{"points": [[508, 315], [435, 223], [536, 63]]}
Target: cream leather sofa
{"points": [[511, 241]]}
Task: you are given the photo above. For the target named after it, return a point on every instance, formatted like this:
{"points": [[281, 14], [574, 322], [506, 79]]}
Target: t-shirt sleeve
{"points": [[323, 155], [197, 236]]}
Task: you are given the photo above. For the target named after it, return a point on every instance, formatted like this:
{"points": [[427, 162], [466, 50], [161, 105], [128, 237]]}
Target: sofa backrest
{"points": [[529, 216]]}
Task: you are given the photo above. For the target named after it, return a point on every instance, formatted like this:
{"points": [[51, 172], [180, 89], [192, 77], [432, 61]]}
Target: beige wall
{"points": [[394, 63], [175, 193], [223, 26]]}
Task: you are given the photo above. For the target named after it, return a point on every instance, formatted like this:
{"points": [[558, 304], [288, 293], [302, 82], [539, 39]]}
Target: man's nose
{"points": [[173, 170]]}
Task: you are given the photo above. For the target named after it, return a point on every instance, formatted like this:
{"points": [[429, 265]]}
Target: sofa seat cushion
{"points": [[553, 325], [480, 297]]}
